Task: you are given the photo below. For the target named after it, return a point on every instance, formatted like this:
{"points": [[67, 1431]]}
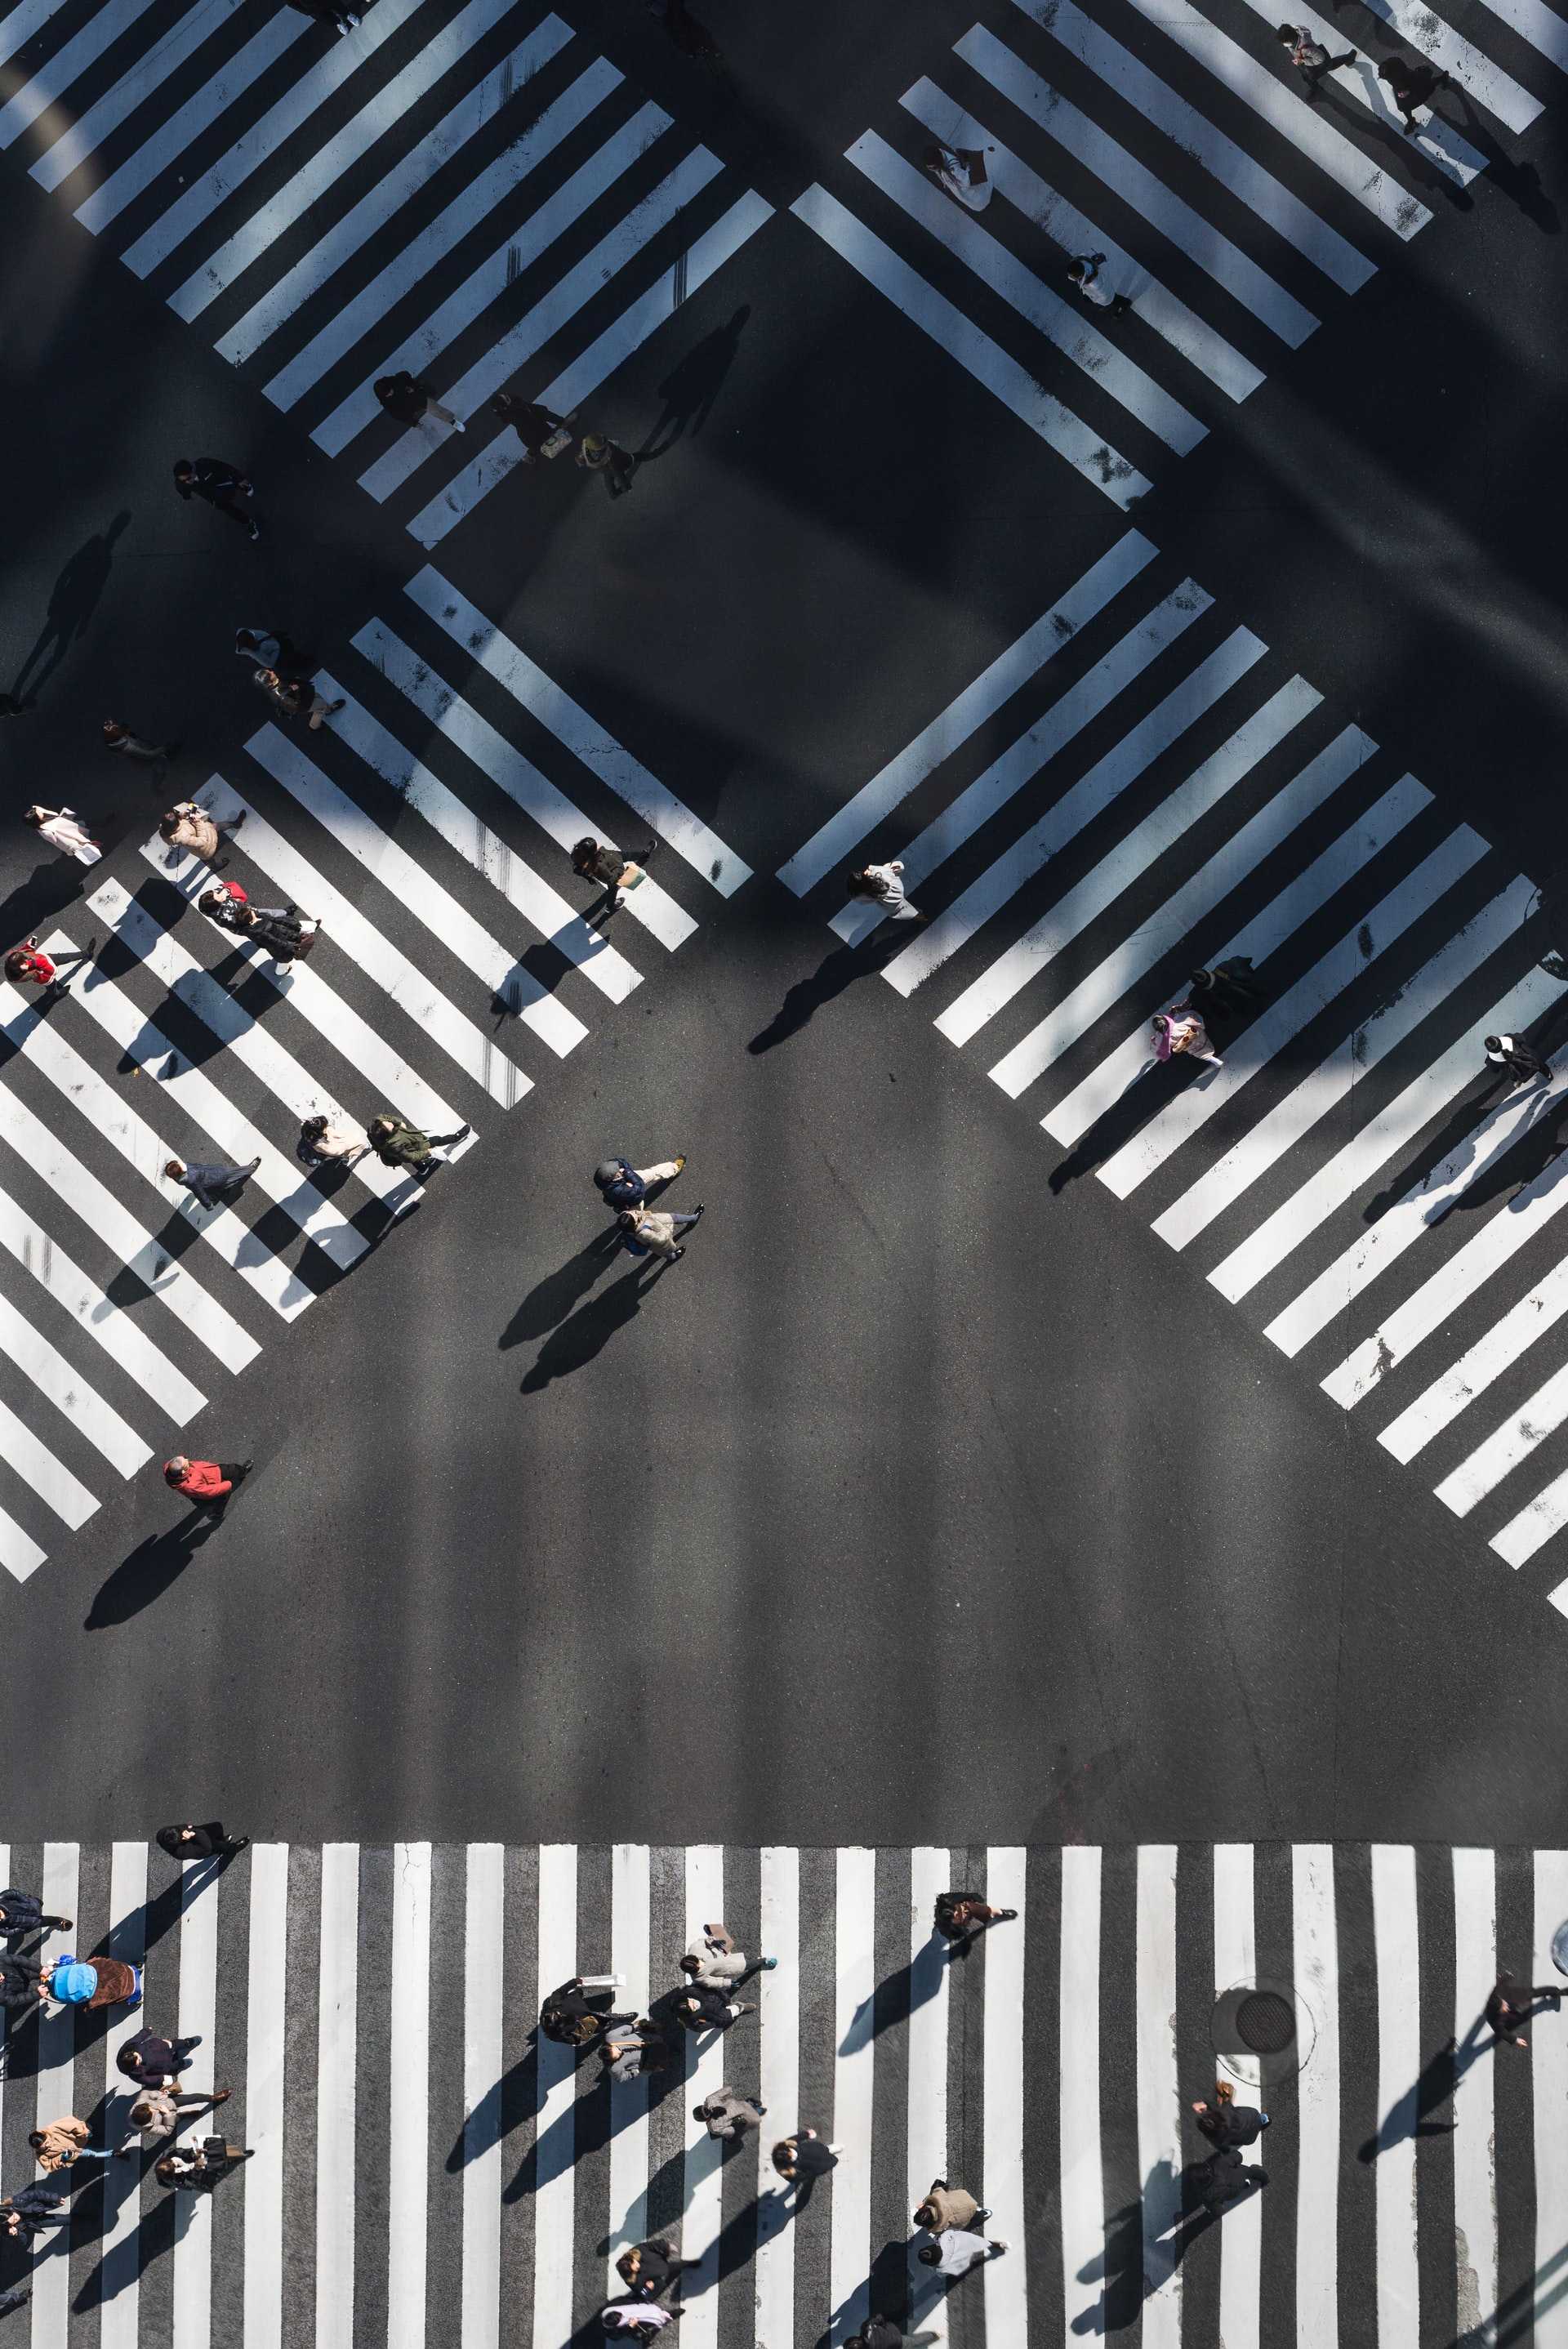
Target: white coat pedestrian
{"points": [[715, 1959], [1183, 1030], [957, 2250], [61, 830], [883, 885]]}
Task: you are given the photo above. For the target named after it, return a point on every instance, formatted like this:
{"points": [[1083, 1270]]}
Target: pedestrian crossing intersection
{"points": [[426, 2169], [1174, 141], [1137, 787], [468, 192], [452, 969]]}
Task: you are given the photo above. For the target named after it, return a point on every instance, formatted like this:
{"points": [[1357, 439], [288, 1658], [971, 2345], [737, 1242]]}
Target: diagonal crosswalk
{"points": [[1168, 797], [456, 960]]}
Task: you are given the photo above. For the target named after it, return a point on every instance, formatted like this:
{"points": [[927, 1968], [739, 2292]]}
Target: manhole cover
{"points": [[1265, 2022]]}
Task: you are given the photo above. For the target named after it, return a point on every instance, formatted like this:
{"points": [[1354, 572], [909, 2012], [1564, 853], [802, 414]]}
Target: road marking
{"points": [[854, 2041], [1475, 2173], [927, 2144], [1398, 1970], [703, 2180], [1159, 2090], [1235, 1961], [336, 2045], [265, 2047], [1315, 1968], [1081, 2163], [43, 1257], [199, 1892], [409, 2103], [556, 2094], [170, 54], [779, 2089], [631, 1893]]}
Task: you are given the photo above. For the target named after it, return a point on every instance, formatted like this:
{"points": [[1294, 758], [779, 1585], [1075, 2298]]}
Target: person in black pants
{"points": [[220, 484], [1508, 2008], [188, 1842], [1517, 1057], [532, 424], [1309, 57], [648, 2268], [802, 2159], [22, 1913], [34, 2207], [1225, 2178], [19, 1980], [1226, 2122]]}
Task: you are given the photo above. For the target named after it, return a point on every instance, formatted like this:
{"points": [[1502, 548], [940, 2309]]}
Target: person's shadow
{"points": [[1519, 182], [149, 1570], [588, 1333], [71, 606], [689, 391], [895, 2000], [547, 1306], [838, 970]]}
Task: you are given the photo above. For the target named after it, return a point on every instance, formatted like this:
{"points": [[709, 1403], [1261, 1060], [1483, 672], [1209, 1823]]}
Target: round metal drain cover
{"points": [[1265, 2022]]}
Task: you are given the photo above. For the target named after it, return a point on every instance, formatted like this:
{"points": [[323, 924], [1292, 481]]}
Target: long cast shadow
{"points": [[72, 603], [894, 2000], [587, 1333], [837, 971], [547, 1306], [149, 1571]]}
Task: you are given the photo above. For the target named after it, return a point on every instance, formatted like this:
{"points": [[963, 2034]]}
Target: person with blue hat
{"points": [[102, 1982]]}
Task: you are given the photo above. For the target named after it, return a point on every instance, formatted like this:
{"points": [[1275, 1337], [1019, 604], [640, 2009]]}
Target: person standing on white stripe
{"points": [[1183, 1030], [716, 1960], [1083, 274], [957, 2250], [1518, 1057], [595, 860], [801, 2159], [962, 1917], [883, 885], [406, 397], [1309, 57], [1409, 87], [960, 171]]}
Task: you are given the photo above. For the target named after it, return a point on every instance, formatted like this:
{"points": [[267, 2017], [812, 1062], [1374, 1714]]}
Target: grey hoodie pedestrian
{"points": [[725, 2115], [210, 1186]]}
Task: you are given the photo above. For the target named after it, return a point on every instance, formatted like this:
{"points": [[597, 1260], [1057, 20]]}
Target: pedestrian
{"points": [[947, 2206], [648, 2268], [200, 2168], [960, 1915], [323, 1143], [595, 860], [61, 830], [956, 2251], [326, 13], [19, 2294], [159, 2111], [118, 736], [727, 2116], [1183, 1030], [1505, 2011], [607, 456], [155, 2063], [406, 397], [1409, 87], [1226, 2122], [883, 885], [59, 2144], [1228, 986], [1225, 2178], [22, 1913], [28, 965], [220, 484], [20, 1985], [270, 648], [641, 2319], [703, 2008], [99, 1983], [296, 697], [715, 1959], [1309, 57], [541, 432], [208, 1484], [1519, 1058], [622, 1184], [189, 1841], [629, 2057], [961, 170], [186, 826], [282, 930], [647, 1231], [1083, 274], [570, 2019], [882, 2332], [211, 1186], [801, 2159], [37, 2206], [399, 1144]]}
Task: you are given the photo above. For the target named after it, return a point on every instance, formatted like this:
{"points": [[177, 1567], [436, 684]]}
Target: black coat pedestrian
{"points": [[704, 2007], [213, 479], [403, 396], [1227, 2125], [876, 2333], [190, 1842], [23, 1912], [532, 424], [151, 2060], [647, 2268], [33, 2207], [1224, 2178], [19, 1984]]}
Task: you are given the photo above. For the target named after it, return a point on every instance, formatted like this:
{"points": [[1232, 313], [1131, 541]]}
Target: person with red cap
{"points": [[206, 1483]]}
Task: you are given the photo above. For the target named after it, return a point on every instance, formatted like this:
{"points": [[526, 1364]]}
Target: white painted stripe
{"points": [[1395, 1127], [1533, 1527], [18, 29], [265, 2047], [414, 261], [1185, 1111], [547, 316], [1420, 1210], [200, 111], [1086, 451], [778, 2090], [265, 136], [236, 1137], [49, 1374], [1120, 767], [1083, 2211], [1203, 244], [483, 2066], [556, 2093], [581, 377], [1208, 146], [38, 1253], [572, 726], [323, 169], [1049, 212], [301, 985], [966, 713], [1486, 82], [704, 2181], [27, 1457], [1069, 329], [493, 858], [376, 210], [1035, 747], [337, 2040], [1235, 1961], [151, 1262], [1475, 2171], [1397, 1970], [170, 52], [19, 1555], [927, 2143], [854, 1987], [1196, 796], [199, 1894], [102, 28], [120, 2250], [1281, 107], [1438, 140], [408, 2100], [1548, 2061], [1316, 1970], [50, 2275], [1530, 19], [1160, 2160], [1179, 916], [630, 1892], [1522, 1327], [1006, 2034], [1507, 1446]]}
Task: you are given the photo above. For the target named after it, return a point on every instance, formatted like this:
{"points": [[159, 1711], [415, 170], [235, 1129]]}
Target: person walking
{"points": [[1309, 57], [272, 649], [208, 1484], [218, 484], [1409, 87], [631, 2057], [186, 826], [647, 1231], [282, 930], [622, 1184], [118, 737], [1229, 987], [715, 1959], [61, 830], [406, 397], [703, 2008], [1183, 1030], [541, 432], [960, 171], [398, 1144], [159, 2111], [153, 2061], [595, 860], [1083, 276], [323, 1143], [1505, 2010], [947, 2206], [21, 1984], [801, 2159], [296, 697], [37, 2206], [1225, 2178], [570, 2017], [960, 1915], [1226, 2122], [649, 2269], [956, 2251], [607, 456], [17, 2297], [882, 2332], [326, 12], [187, 1841], [200, 2169], [637, 2320], [727, 2116], [211, 1186], [883, 885], [23, 1913], [28, 965], [1519, 1058], [100, 1982], [59, 2144]]}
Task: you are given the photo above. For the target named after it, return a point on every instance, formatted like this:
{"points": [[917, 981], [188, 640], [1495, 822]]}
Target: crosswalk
{"points": [[468, 192], [1175, 141], [455, 965], [426, 2169], [1137, 787]]}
